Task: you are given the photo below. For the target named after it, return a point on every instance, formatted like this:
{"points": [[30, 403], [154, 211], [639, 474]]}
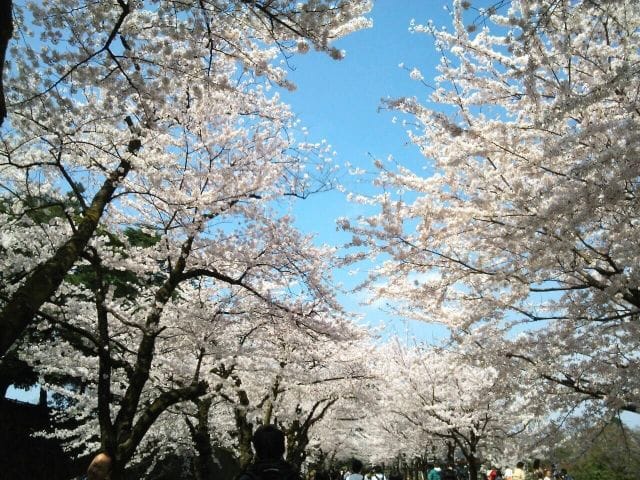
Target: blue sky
{"points": [[339, 101]]}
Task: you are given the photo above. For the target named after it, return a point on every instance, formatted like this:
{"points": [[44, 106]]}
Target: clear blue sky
{"points": [[339, 101]]}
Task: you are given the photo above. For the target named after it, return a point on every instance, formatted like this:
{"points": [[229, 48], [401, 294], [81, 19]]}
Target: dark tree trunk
{"points": [[244, 430], [44, 280], [297, 441], [204, 466], [473, 467], [6, 32], [4, 386], [451, 450]]}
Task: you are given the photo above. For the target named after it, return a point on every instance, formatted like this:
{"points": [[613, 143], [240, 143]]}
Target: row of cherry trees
{"points": [[152, 280], [521, 240], [150, 275]]}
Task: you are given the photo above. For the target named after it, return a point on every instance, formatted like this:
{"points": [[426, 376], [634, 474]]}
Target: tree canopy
{"points": [[155, 284]]}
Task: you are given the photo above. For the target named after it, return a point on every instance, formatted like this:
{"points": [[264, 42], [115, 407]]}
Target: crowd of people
{"points": [[536, 472], [357, 473], [269, 464], [451, 471]]}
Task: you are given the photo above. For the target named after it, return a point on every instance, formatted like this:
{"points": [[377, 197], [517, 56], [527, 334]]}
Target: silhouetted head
{"points": [[100, 467], [268, 442], [520, 465], [356, 466]]}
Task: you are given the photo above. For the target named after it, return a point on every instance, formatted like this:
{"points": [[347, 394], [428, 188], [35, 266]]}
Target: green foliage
{"points": [[124, 282], [138, 238], [42, 208], [611, 452]]}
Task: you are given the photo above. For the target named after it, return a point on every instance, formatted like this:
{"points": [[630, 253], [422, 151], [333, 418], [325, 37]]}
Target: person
{"points": [[508, 474], [100, 467], [448, 473], [435, 473], [356, 469], [565, 475], [518, 472], [377, 473], [427, 471], [268, 443], [548, 474]]}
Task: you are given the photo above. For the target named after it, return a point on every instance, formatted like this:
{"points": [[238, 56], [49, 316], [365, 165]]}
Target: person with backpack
{"points": [[377, 473], [356, 469], [269, 464], [448, 473]]}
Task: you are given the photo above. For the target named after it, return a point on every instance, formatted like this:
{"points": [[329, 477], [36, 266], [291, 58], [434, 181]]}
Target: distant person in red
{"points": [[493, 473]]}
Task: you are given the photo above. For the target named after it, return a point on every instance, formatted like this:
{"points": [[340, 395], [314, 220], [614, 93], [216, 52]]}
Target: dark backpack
{"points": [[447, 474]]}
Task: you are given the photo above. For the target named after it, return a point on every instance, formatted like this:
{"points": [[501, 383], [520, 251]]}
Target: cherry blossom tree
{"points": [[145, 168], [89, 86], [523, 236], [295, 378], [443, 401], [152, 347], [147, 361], [258, 370]]}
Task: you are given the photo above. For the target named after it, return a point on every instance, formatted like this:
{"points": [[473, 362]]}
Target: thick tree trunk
{"points": [[4, 386], [451, 450], [6, 32], [468, 445], [107, 433], [244, 430], [298, 433], [129, 441], [204, 466], [117, 473], [44, 280], [473, 467]]}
